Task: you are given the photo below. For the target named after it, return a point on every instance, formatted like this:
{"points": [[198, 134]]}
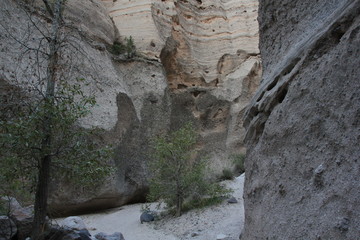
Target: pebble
{"points": [[232, 200], [194, 234]]}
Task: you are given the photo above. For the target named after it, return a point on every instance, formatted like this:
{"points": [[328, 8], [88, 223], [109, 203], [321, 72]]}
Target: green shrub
{"points": [[117, 48], [238, 161], [177, 177], [128, 48], [227, 174]]}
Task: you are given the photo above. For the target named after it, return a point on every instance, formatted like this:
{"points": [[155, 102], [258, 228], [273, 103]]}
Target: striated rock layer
{"points": [[303, 128], [209, 40], [209, 50], [204, 40]]}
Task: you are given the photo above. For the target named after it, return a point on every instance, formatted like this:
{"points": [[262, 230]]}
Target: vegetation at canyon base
{"points": [[236, 169], [238, 161], [178, 178]]}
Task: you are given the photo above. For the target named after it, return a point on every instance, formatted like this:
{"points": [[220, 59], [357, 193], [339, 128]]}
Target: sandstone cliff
{"points": [[197, 61], [302, 167]]}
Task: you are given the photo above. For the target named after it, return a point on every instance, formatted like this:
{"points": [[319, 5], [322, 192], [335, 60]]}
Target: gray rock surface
{"points": [[222, 236], [303, 128], [146, 217], [131, 99], [21, 216], [57, 232], [114, 236], [73, 223], [7, 228]]}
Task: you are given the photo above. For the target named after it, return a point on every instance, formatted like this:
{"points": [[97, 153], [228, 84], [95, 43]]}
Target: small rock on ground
{"points": [[114, 236], [232, 200], [74, 223]]}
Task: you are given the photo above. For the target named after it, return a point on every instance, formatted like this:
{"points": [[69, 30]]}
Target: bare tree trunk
{"points": [[178, 197], [40, 208], [178, 206]]}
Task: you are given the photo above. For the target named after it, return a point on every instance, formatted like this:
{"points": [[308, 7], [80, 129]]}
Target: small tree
{"points": [[177, 176], [75, 155], [130, 47]]}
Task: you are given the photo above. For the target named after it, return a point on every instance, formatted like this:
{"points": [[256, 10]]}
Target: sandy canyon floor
{"points": [[223, 221]]}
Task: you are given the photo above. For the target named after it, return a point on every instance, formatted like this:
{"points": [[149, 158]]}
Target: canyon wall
{"points": [[303, 128], [130, 95], [196, 61], [209, 51]]}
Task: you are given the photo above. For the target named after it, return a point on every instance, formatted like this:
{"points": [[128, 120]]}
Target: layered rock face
{"points": [[209, 40], [204, 40], [209, 50], [303, 128]]}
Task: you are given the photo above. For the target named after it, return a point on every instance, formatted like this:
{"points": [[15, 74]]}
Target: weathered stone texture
{"points": [[204, 40], [303, 128], [197, 61], [209, 51], [129, 95]]}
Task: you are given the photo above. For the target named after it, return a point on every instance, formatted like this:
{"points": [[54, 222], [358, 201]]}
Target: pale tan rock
{"points": [[209, 31], [204, 32], [135, 19]]}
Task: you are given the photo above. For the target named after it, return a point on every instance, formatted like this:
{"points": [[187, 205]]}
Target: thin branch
{"points": [[18, 41], [34, 24]]}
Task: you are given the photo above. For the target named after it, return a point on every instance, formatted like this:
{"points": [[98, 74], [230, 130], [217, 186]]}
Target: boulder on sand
{"points": [[114, 236], [147, 217]]}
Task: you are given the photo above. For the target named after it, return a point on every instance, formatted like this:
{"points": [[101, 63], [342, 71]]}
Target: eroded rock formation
{"points": [[197, 61], [302, 167], [126, 93], [209, 50], [204, 40]]}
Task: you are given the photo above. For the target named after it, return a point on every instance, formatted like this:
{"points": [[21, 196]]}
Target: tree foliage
{"points": [[178, 176], [128, 48], [42, 140], [75, 154]]}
